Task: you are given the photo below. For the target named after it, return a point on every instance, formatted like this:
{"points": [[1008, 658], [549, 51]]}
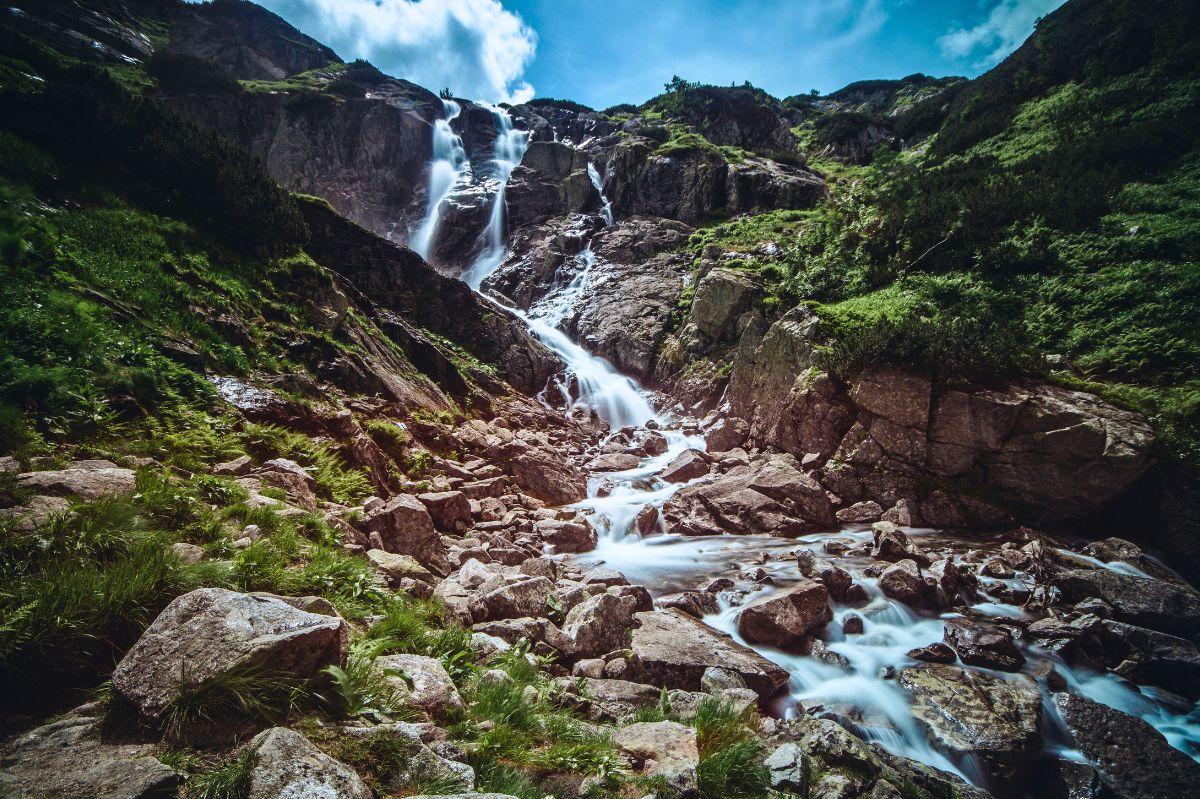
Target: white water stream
{"points": [[860, 693], [448, 167]]}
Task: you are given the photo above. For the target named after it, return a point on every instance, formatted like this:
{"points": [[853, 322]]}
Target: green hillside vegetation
{"points": [[1051, 227]]}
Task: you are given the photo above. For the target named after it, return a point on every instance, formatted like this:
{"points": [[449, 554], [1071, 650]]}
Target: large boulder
{"points": [[513, 600], [672, 650], [548, 477], [450, 510], [288, 765], [84, 479], [987, 718], [1133, 758], [721, 297], [595, 627], [1143, 601], [663, 749], [211, 632], [423, 682], [983, 645], [903, 582], [688, 465], [66, 759], [404, 526], [785, 620]]}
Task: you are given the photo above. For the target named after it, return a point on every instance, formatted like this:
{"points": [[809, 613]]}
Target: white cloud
{"points": [[476, 48], [1005, 28]]}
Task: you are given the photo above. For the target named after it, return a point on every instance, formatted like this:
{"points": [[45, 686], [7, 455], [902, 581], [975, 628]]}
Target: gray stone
{"points": [[788, 766], [664, 749], [288, 766]]}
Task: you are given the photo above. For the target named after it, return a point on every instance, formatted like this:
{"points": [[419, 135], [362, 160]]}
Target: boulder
{"points": [[721, 297], [594, 627], [415, 762], [568, 536], [663, 749], [397, 567], [547, 477], [1133, 758], [981, 645], [88, 480], [891, 544], [450, 510], [903, 582], [66, 759], [1166, 659], [614, 462], [672, 650], [788, 766], [860, 512], [933, 653], [288, 765], [1143, 601], [834, 578], [688, 465], [210, 632], [647, 520], [513, 600], [729, 432], [784, 620], [423, 682], [403, 525], [989, 719]]}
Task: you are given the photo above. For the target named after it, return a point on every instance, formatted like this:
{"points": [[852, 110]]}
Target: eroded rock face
{"points": [[288, 765], [211, 631], [972, 714], [66, 759], [1133, 758], [672, 650]]}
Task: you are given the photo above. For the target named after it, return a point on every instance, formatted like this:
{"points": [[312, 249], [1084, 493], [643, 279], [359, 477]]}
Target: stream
{"points": [[860, 691]]}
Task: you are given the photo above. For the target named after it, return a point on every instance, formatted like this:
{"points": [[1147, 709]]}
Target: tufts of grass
{"points": [[249, 692], [230, 780]]}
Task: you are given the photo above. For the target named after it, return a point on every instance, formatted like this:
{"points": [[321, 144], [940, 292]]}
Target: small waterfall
{"points": [[507, 151], [606, 204], [448, 166]]}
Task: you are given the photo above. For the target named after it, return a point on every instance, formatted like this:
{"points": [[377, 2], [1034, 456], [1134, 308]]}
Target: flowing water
{"points": [[860, 692], [448, 167], [507, 150]]}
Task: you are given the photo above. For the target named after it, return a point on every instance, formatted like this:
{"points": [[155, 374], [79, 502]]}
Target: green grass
{"points": [[229, 780]]}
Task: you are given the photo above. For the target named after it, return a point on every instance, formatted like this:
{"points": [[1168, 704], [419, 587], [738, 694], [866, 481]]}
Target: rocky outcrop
{"points": [[67, 759], [403, 526], [672, 650], [663, 749], [551, 181], [88, 480], [211, 632], [972, 714], [287, 764], [1045, 454], [1156, 604], [247, 40], [1133, 758]]}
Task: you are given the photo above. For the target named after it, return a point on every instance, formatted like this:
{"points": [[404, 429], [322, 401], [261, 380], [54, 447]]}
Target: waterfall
{"points": [[449, 164], [507, 151], [606, 204]]}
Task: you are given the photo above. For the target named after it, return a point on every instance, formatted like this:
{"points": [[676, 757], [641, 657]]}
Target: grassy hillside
{"points": [[1051, 226]]}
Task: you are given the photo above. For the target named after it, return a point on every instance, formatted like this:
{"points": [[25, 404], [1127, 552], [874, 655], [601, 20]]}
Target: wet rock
{"points": [[66, 759], [981, 645], [788, 767], [990, 718], [694, 603], [403, 525], [614, 462], [834, 578], [1145, 602], [1133, 758], [933, 653], [1114, 549], [211, 631], [852, 624], [1166, 659], [672, 650], [903, 582], [903, 513], [423, 682], [664, 749], [647, 520], [1067, 779], [688, 465], [892, 545], [784, 620], [996, 567], [288, 765], [88, 480], [450, 510]]}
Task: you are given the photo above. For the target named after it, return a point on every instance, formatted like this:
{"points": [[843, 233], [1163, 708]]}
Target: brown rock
{"points": [[785, 620]]}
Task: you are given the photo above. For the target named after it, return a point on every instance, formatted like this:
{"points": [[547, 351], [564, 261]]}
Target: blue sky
{"points": [[602, 52]]}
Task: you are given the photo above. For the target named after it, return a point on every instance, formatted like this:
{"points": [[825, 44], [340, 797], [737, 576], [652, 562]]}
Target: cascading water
{"points": [[606, 205], [507, 150], [448, 166], [856, 691]]}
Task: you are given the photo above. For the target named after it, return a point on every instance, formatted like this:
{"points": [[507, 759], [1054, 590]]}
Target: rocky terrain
{"points": [[289, 510]]}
